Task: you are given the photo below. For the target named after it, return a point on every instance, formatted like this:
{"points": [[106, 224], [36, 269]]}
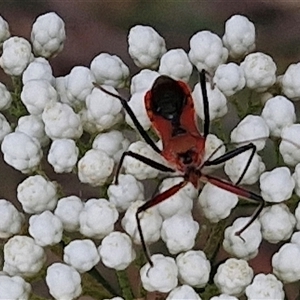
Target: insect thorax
{"points": [[168, 99]]}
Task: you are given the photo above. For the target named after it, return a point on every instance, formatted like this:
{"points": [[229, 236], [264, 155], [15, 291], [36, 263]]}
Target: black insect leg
{"points": [[232, 154], [239, 191], [143, 159], [154, 201], [135, 121], [205, 103]]}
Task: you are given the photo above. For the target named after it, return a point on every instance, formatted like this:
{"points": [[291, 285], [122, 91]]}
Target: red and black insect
{"points": [[170, 107]]}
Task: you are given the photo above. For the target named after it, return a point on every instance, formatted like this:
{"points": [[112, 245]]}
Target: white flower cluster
{"points": [[62, 111]]}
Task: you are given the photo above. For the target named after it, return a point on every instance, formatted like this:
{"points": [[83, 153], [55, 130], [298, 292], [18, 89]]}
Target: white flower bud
{"points": [[63, 281], [183, 292], [175, 63], [78, 85], [216, 203], [103, 110], [278, 113], [36, 94], [214, 148], [33, 126], [81, 255], [11, 220], [4, 30], [5, 97], [295, 239], [46, 228], [38, 69], [16, 56], [110, 70], [282, 184], [265, 287], [207, 51], [5, 128], [233, 276], [289, 147], [150, 220], [61, 121], [137, 168], [36, 194], [290, 82], [235, 167], [137, 105], [229, 78], [283, 263], [179, 233], [216, 99], [179, 203], [162, 277], [252, 129], [22, 256], [224, 297], [277, 223], [63, 155], [127, 190], [14, 288], [259, 70], [93, 211], [143, 81], [193, 268], [246, 245], [95, 167], [68, 210], [113, 143], [21, 151], [48, 35], [146, 46], [239, 36], [116, 251]]}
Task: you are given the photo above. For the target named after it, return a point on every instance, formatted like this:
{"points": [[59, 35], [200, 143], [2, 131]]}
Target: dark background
{"points": [[102, 26]]}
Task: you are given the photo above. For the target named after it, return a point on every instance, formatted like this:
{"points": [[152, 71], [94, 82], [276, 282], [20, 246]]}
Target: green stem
{"points": [[95, 285], [210, 291], [279, 159], [125, 285], [138, 263], [17, 108], [84, 143], [239, 109], [41, 275], [292, 203], [254, 103], [36, 297], [103, 191], [213, 243], [220, 131]]}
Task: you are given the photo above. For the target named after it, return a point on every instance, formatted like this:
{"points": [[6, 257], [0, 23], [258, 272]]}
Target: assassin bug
{"points": [[170, 108]]}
